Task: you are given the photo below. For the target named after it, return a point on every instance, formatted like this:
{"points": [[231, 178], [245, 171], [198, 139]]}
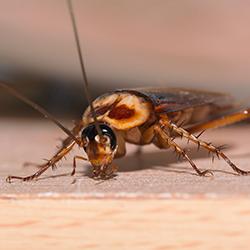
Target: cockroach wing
{"points": [[128, 108], [189, 106], [167, 100]]}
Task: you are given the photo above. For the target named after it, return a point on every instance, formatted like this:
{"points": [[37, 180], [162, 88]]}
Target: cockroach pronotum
{"points": [[140, 116]]}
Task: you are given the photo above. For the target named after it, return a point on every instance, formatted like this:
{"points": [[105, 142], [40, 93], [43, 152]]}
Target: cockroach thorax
{"points": [[121, 110]]}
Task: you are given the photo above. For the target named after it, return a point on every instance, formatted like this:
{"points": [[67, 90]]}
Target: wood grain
{"points": [[124, 224]]}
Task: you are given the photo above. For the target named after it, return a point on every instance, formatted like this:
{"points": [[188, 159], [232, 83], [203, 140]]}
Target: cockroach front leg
{"points": [[170, 142], [67, 145], [51, 163], [74, 163], [208, 146]]}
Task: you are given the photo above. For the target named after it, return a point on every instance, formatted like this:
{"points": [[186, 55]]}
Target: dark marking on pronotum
{"points": [[121, 112]]}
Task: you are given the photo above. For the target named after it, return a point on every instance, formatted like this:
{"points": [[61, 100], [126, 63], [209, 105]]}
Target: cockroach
{"points": [[141, 117]]}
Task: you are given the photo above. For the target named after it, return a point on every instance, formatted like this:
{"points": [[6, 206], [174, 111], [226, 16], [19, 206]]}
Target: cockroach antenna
{"points": [[84, 74], [41, 110]]}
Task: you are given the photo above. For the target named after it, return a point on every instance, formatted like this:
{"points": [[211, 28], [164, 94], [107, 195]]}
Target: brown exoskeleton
{"points": [[140, 116]]}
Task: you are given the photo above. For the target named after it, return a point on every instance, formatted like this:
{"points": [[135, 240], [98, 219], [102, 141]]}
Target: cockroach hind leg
{"points": [[208, 146], [232, 165]]}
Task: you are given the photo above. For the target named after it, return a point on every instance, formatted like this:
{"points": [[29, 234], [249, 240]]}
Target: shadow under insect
{"points": [[165, 160]]}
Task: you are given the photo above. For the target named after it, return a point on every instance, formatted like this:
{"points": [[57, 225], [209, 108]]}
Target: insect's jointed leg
{"points": [[51, 163], [66, 147], [170, 142], [209, 146], [74, 162]]}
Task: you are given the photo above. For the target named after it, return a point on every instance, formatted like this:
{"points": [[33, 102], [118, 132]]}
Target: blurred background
{"points": [[132, 43]]}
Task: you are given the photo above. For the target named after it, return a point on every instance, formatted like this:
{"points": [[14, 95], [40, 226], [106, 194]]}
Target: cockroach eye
{"points": [[90, 133]]}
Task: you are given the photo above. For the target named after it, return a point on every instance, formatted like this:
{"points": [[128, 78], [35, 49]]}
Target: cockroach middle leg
{"points": [[208, 146], [51, 163], [170, 142]]}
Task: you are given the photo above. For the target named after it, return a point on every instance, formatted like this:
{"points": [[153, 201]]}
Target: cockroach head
{"points": [[100, 149]]}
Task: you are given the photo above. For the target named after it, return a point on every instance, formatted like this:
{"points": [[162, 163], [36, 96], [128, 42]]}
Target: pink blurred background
{"points": [[197, 44]]}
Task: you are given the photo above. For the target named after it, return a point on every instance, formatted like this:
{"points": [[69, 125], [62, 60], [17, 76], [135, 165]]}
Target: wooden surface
{"points": [[155, 172], [124, 224], [154, 202]]}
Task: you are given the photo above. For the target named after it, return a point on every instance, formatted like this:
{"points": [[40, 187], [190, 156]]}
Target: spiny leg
{"points": [[170, 142], [51, 163], [67, 145], [209, 146], [64, 142], [74, 162]]}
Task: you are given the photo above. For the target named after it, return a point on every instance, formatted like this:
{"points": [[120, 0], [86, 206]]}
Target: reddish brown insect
{"points": [[158, 116], [141, 116]]}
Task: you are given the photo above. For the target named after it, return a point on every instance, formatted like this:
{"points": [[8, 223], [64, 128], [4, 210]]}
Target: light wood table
{"points": [[155, 202]]}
